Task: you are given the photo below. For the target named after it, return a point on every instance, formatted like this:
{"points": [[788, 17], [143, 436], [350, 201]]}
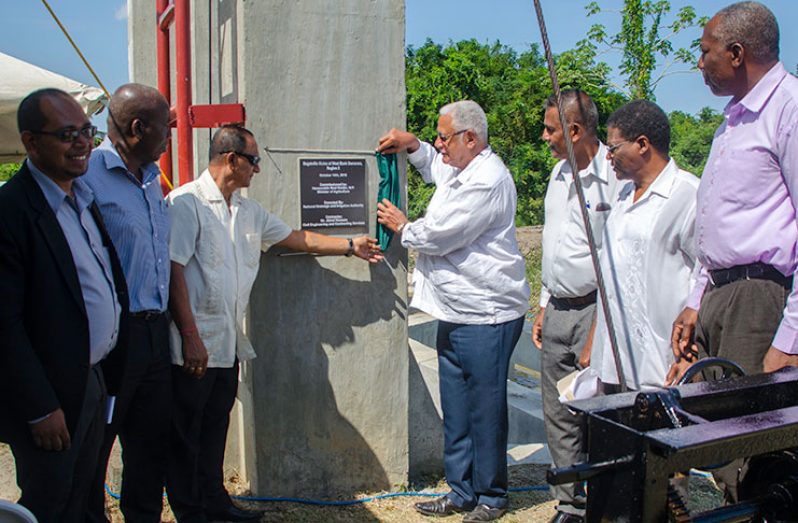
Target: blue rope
{"points": [[349, 502]]}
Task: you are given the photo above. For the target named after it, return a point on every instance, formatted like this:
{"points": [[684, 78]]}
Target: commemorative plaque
{"points": [[333, 195]]}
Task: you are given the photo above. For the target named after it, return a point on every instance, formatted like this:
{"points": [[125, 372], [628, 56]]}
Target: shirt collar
{"points": [[209, 188], [598, 167], [55, 195], [757, 97], [463, 175], [664, 182], [112, 161]]}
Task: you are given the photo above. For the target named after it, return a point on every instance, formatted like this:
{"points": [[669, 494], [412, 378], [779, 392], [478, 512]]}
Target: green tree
{"points": [[7, 170], [512, 88], [645, 42], [691, 138]]}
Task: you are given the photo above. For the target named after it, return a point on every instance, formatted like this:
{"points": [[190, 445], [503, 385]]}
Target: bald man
{"points": [[125, 181]]}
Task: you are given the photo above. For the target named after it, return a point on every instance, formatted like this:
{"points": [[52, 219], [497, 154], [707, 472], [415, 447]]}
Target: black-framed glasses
{"points": [[251, 158], [69, 134], [445, 139]]}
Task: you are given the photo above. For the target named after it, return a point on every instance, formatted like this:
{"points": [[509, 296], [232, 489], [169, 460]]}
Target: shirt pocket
{"points": [[251, 248]]}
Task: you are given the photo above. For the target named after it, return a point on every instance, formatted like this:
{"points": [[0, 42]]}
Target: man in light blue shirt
{"points": [[124, 178]]}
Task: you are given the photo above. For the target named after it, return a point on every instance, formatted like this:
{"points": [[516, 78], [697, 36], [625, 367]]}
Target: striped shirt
{"points": [[137, 219]]}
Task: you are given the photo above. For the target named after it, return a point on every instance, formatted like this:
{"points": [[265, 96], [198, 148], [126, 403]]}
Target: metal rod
{"points": [[163, 7], [569, 145], [185, 138], [75, 47]]}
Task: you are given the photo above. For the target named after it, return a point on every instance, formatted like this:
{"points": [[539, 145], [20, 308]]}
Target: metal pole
{"points": [[569, 145], [164, 79], [185, 142]]}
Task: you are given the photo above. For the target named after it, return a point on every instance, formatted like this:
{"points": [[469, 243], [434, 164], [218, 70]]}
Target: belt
{"points": [[752, 271], [573, 303], [147, 315]]}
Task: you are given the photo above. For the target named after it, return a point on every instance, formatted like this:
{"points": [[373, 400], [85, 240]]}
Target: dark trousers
{"points": [[738, 321], [565, 331], [55, 485], [142, 419], [195, 481], [472, 363]]}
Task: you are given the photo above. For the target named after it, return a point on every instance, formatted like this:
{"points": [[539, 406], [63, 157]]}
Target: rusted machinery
{"points": [[637, 441]]}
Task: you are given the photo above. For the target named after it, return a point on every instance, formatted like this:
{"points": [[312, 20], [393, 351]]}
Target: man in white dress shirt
{"points": [[470, 276], [215, 243], [568, 296], [649, 253]]}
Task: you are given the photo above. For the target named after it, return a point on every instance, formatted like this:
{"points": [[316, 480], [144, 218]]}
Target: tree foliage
{"points": [[645, 42], [7, 170], [512, 88], [691, 138]]}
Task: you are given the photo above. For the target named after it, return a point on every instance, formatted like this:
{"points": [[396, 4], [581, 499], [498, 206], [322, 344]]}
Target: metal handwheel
{"points": [[730, 369]]}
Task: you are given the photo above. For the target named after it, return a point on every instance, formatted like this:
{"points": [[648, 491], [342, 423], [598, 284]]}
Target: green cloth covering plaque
{"points": [[389, 189]]}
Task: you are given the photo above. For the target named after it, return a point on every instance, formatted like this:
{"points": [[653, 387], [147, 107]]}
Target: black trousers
{"points": [[55, 485], [195, 481], [142, 420]]}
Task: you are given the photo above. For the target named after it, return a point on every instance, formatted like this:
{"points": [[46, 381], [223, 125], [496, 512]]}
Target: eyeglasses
{"points": [[251, 158], [69, 135], [446, 139], [612, 148]]}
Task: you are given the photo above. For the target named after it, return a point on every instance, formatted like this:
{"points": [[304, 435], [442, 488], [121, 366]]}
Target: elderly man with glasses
{"points": [[649, 253], [216, 240], [470, 276]]}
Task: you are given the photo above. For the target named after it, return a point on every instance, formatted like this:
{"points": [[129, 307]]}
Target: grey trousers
{"points": [[564, 335], [737, 322]]}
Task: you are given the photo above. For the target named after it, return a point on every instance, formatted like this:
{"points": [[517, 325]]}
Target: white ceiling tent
{"points": [[21, 78]]}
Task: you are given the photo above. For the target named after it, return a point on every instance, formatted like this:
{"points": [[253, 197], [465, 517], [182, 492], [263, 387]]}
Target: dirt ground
{"points": [[529, 506]]}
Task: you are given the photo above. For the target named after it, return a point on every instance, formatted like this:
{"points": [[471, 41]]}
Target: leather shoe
{"points": [[484, 513], [564, 517], [233, 513], [442, 506]]}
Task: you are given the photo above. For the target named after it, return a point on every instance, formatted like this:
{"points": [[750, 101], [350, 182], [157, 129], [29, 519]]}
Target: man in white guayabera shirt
{"points": [[648, 254], [215, 242], [470, 276]]}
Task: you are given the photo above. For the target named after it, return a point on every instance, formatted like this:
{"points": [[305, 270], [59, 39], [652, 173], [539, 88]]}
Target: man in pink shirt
{"points": [[744, 306], [746, 231]]}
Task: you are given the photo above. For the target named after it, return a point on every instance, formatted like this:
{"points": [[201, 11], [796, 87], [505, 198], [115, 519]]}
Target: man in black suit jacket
{"points": [[62, 297]]}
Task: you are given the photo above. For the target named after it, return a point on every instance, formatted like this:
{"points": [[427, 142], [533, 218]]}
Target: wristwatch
{"points": [[351, 249]]}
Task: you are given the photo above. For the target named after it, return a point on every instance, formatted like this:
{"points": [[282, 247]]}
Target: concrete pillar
{"points": [[323, 410]]}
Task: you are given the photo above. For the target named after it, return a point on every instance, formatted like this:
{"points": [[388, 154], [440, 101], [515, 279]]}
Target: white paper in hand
{"points": [[579, 385]]}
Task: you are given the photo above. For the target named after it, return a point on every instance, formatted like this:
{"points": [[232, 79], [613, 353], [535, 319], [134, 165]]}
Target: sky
{"points": [[99, 27]]}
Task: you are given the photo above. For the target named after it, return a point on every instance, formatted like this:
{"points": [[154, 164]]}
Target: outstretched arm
{"points": [[308, 241]]}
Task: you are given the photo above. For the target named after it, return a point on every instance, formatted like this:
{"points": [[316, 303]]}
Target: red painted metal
{"points": [[216, 115], [185, 137], [166, 15], [186, 116], [164, 8]]}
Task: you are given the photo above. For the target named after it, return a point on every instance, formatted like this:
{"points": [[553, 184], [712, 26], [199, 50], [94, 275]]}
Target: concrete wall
{"points": [[324, 408]]}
